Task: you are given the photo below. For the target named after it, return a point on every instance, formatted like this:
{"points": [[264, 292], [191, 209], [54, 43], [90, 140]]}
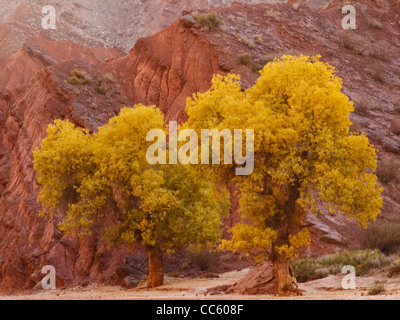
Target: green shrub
{"points": [[209, 20], [362, 260]]}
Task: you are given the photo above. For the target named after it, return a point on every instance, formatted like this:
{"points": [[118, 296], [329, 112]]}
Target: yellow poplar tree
{"points": [[306, 160], [105, 176]]}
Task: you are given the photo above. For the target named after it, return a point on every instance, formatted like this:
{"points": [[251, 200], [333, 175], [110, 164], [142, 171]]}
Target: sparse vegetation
{"points": [[350, 42], [78, 77], [258, 39], [209, 20], [394, 268], [363, 260], [383, 236], [378, 73], [387, 170], [246, 41], [202, 259], [244, 59], [102, 86], [377, 289], [271, 15], [362, 106], [380, 53], [374, 23]]}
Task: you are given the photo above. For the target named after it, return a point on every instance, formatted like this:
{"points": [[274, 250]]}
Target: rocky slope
{"points": [[164, 69]]}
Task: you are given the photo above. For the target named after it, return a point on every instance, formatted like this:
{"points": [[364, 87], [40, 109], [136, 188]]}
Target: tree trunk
{"points": [[287, 283], [155, 276]]}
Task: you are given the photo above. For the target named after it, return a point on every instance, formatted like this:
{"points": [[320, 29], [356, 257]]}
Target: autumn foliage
{"points": [[306, 160], [105, 177]]}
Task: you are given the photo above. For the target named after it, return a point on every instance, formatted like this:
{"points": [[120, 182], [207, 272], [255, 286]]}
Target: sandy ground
{"points": [[202, 289]]}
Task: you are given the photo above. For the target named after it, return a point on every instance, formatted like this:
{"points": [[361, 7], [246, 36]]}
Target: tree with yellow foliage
{"points": [[105, 176], [306, 160]]}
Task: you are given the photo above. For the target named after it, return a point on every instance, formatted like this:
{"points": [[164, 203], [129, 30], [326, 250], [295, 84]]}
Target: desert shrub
{"points": [[79, 77], [362, 260], [380, 53], [348, 40], [202, 259], [271, 15], [209, 20], [383, 236], [378, 72], [244, 59], [246, 41], [394, 268], [387, 170], [377, 289], [374, 23], [258, 39], [362, 106], [255, 67], [101, 87]]}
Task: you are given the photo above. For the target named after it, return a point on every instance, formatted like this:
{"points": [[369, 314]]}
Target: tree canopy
{"points": [[306, 159], [105, 176]]}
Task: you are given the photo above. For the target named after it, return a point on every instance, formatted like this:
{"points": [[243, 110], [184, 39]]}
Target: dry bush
{"points": [[377, 289], [246, 41], [209, 20], [374, 23], [349, 41], [244, 59], [362, 106], [78, 77], [202, 259], [271, 15], [258, 39], [387, 170], [383, 236], [380, 53], [102, 87], [378, 72]]}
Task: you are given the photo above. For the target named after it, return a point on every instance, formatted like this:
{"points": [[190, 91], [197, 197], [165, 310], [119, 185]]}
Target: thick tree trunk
{"points": [[155, 276], [287, 283]]}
